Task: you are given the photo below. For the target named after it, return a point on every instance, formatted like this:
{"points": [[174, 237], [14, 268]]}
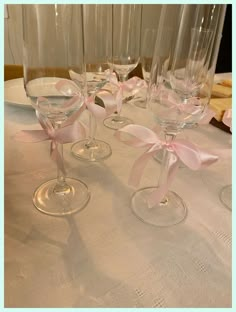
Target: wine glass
{"points": [[211, 19], [147, 48], [226, 191], [52, 48], [126, 33], [97, 20], [174, 99]]}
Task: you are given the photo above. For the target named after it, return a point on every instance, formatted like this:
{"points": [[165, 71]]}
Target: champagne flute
{"points": [[173, 104], [126, 33], [52, 48], [147, 49], [97, 20], [211, 19]]}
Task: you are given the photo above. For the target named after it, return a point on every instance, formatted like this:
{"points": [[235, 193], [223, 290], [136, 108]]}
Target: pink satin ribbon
{"points": [[191, 155], [133, 84], [193, 106], [65, 86], [69, 131], [227, 118]]}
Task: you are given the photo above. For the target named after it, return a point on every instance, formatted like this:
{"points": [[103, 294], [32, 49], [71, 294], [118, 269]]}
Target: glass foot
{"points": [[60, 202], [116, 122], [141, 104], [94, 151], [226, 196], [191, 125], [172, 210]]}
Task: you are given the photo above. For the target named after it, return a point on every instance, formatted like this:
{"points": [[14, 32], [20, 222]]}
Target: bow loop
{"points": [[142, 136], [191, 155], [227, 118]]}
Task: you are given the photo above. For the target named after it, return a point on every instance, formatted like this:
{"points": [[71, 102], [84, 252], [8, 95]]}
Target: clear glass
{"points": [[179, 92], [210, 17], [226, 196], [148, 41], [52, 51], [126, 33], [97, 21]]}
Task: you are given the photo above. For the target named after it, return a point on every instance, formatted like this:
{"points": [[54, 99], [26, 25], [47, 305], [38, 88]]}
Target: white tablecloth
{"points": [[104, 256]]}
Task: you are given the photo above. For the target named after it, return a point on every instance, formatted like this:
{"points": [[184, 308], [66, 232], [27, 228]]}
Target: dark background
{"points": [[224, 61]]}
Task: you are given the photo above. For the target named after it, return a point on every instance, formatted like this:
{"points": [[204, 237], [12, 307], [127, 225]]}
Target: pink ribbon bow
{"points": [[172, 100], [191, 107], [192, 156], [69, 131], [133, 84], [97, 111], [227, 118]]}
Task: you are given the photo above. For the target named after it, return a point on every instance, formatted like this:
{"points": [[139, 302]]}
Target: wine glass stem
{"points": [[122, 78], [165, 164], [92, 130], [61, 187]]}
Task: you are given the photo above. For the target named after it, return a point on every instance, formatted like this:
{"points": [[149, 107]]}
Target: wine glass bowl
{"points": [[123, 66], [188, 73], [96, 77]]}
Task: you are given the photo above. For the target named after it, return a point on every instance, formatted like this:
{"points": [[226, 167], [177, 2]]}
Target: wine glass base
{"points": [[141, 104], [226, 196], [172, 210], [59, 204], [191, 125], [95, 151], [116, 122]]}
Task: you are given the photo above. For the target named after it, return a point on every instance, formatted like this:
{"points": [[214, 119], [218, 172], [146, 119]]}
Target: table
{"points": [[104, 256]]}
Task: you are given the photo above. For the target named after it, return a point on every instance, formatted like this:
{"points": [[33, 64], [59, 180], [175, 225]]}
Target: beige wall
{"points": [[13, 29]]}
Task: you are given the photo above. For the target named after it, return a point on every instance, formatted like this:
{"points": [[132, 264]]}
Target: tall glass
{"points": [[148, 41], [97, 20], [179, 92], [53, 44], [126, 33]]}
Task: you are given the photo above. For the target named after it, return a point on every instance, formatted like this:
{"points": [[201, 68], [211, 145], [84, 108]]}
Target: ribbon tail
{"points": [[138, 167]]}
